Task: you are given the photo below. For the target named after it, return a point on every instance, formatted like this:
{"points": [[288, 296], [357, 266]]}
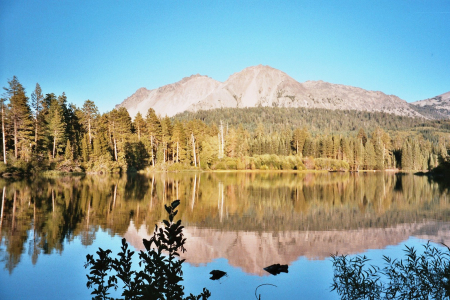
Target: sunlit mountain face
{"points": [[260, 86]]}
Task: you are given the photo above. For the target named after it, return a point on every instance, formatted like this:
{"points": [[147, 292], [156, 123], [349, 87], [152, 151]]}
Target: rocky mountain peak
{"points": [[260, 86]]}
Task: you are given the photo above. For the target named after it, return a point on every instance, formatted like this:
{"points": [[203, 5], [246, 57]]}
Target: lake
{"points": [[235, 222]]}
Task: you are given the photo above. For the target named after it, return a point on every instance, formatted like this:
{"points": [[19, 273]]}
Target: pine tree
{"points": [[243, 148], [85, 148], [68, 154], [20, 117], [298, 139], [369, 156], [309, 148], [177, 141], [140, 125], [2, 104], [74, 129], [346, 150], [358, 154], [88, 117], [166, 134], [120, 124], [362, 136], [154, 132], [56, 127], [37, 105], [407, 158], [231, 143]]}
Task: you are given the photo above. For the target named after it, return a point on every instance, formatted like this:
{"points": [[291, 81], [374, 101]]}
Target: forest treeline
{"points": [[45, 132]]}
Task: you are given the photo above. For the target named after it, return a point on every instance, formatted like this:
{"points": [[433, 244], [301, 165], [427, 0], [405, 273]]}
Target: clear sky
{"points": [[105, 50]]}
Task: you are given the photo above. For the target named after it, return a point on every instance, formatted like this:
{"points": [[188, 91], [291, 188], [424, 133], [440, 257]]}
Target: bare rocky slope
{"points": [[260, 86], [436, 107]]}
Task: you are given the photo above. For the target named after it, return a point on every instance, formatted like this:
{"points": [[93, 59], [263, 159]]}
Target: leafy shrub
{"points": [[330, 164], [104, 164], [68, 166], [220, 165], [240, 164], [176, 167], [231, 163], [425, 276], [162, 274]]}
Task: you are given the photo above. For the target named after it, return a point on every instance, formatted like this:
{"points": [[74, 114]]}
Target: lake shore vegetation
{"points": [[46, 133]]}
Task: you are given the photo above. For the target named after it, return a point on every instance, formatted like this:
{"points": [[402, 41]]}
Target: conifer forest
{"points": [[44, 132]]}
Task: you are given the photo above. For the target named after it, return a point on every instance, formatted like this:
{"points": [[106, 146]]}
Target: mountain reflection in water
{"points": [[252, 251], [251, 219]]}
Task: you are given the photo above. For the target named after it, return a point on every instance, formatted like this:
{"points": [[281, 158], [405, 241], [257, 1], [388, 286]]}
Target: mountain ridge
{"points": [[262, 86], [437, 107]]}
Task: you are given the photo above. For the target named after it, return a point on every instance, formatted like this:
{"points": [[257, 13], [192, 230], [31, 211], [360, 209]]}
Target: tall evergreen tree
{"points": [[2, 104], [20, 118], [88, 116], [407, 156], [139, 125], [298, 140], [369, 155], [37, 105], [120, 121], [178, 138], [166, 133], [362, 136], [154, 132], [57, 127]]}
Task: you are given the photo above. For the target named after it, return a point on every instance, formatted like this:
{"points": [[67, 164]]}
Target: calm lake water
{"points": [[235, 222]]}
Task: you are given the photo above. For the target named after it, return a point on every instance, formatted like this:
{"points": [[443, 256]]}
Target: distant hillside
{"points": [[260, 86], [437, 107], [317, 120]]}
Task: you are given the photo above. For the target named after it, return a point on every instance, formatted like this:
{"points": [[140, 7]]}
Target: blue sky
{"points": [[105, 50]]}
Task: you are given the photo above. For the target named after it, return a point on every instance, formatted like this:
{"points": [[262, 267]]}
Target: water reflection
{"points": [[252, 219]]}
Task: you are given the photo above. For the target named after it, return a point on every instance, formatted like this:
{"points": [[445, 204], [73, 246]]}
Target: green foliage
{"points": [[53, 128], [331, 164], [104, 164], [315, 120], [68, 166], [425, 276], [162, 269]]}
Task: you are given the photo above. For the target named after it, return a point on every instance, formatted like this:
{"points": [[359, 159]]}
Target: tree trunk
{"points": [[115, 195], [89, 128], [36, 133], [53, 201], [54, 144], [15, 139], [14, 212], [193, 191], [151, 145], [115, 149], [3, 135], [193, 146], [3, 205]]}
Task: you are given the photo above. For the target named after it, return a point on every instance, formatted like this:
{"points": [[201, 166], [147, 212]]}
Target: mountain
{"points": [[260, 86], [437, 107], [172, 98], [252, 251]]}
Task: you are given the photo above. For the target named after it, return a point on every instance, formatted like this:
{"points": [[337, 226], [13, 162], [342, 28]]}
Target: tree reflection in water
{"points": [[299, 208]]}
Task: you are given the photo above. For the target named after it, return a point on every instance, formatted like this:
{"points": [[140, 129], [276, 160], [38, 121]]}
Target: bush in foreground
{"points": [[423, 277], [161, 275]]}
